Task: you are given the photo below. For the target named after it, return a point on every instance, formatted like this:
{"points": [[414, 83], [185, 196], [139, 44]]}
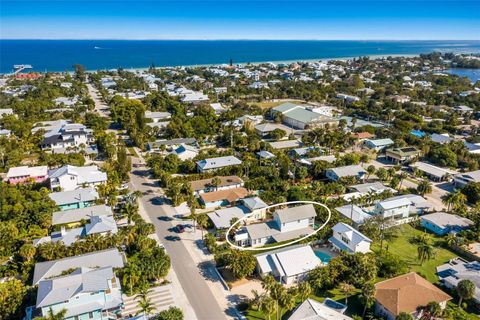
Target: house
{"points": [[362, 136], [24, 174], [100, 225], [302, 117], [433, 172], [442, 223], [356, 214], [72, 177], [462, 109], [347, 98], [256, 206], [6, 112], [456, 270], [172, 144], [157, 116], [378, 144], [86, 293], [371, 187], [288, 265], [346, 238], [402, 155], [285, 144], [315, 310], [440, 138], [98, 259], [406, 293], [73, 217], [264, 154], [208, 185], [194, 97], [62, 136], [222, 219], [185, 152], [337, 173], [287, 224], [418, 204], [223, 197], [217, 108], [74, 199], [264, 129], [212, 164], [395, 208], [462, 179]]}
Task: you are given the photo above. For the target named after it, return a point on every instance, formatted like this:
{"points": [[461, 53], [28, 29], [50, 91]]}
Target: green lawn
{"points": [[271, 104], [133, 153], [402, 246]]}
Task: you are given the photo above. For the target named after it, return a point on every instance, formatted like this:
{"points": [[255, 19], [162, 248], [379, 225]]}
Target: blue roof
{"points": [[418, 133], [339, 244]]}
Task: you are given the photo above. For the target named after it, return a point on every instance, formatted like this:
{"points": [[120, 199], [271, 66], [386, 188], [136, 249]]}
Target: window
{"points": [[345, 239], [90, 315]]}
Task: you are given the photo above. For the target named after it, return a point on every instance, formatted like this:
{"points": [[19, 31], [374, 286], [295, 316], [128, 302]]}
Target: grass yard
{"points": [[132, 152], [402, 246]]}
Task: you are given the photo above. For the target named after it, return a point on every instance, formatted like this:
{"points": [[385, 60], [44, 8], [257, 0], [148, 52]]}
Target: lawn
{"points": [[402, 246], [132, 152]]}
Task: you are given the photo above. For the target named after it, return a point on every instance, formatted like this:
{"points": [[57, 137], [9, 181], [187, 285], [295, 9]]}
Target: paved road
{"points": [[100, 106], [193, 283]]}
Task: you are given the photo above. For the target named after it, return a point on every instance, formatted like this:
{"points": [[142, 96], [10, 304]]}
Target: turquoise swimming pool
{"points": [[325, 257]]}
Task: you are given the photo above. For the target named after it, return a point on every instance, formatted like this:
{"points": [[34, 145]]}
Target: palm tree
{"points": [[267, 306], [465, 290], [425, 250], [424, 187], [146, 306], [60, 315], [304, 290], [454, 200], [368, 296], [287, 301], [202, 220], [192, 204], [256, 300], [451, 240], [130, 210], [402, 176], [347, 290], [131, 277], [370, 170]]}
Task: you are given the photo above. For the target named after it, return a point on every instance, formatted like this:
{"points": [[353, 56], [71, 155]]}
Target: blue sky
{"points": [[231, 19]]}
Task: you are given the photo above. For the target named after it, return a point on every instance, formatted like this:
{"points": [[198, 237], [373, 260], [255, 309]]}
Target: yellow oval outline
{"points": [[284, 244]]}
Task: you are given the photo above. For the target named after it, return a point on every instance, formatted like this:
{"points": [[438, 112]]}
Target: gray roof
{"points": [[74, 196], [440, 138], [254, 203], [101, 224], [68, 237], [348, 171], [267, 127], [285, 107], [289, 261], [284, 144], [377, 187], [219, 162], [433, 170], [388, 204], [75, 215], [354, 236], [221, 218], [172, 142], [314, 310], [303, 115], [302, 212], [262, 230], [472, 175], [87, 174], [444, 220], [381, 142], [82, 280], [357, 215], [265, 154], [104, 258]]}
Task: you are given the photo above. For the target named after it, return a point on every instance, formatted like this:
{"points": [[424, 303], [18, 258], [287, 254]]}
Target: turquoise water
{"points": [[323, 256], [60, 55]]}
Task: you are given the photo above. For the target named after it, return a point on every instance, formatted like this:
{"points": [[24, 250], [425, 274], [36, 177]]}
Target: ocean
{"points": [[60, 55]]}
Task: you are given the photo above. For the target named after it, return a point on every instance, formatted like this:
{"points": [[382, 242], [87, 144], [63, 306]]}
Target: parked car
{"points": [[180, 228]]}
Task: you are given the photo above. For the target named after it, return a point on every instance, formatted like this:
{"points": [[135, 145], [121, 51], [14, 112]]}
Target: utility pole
{"points": [[231, 139]]}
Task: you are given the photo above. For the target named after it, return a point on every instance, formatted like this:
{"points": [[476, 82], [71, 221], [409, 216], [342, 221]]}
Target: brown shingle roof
{"points": [[225, 181], [362, 135], [230, 195], [407, 292]]}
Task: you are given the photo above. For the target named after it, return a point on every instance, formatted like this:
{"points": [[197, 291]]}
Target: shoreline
{"points": [[256, 63]]}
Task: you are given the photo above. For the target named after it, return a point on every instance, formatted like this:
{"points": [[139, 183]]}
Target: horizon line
{"points": [[226, 39]]}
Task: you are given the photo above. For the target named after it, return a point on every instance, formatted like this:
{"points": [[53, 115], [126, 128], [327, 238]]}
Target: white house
{"points": [[61, 135], [456, 270], [462, 179], [393, 208], [157, 116], [288, 265], [337, 173], [346, 238], [314, 310], [185, 152], [378, 144], [212, 164], [71, 177], [289, 223]]}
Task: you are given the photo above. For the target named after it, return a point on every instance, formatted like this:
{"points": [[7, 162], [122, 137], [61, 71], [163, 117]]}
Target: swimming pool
{"points": [[325, 257]]}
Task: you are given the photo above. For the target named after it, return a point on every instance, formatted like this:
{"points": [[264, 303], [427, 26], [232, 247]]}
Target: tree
{"points": [[404, 316], [454, 200], [130, 210], [27, 251], [434, 309], [131, 276], [424, 187], [425, 249], [145, 304], [12, 293], [192, 204], [202, 221], [267, 306], [367, 296], [60, 315], [472, 192], [465, 290], [242, 263], [216, 181], [370, 170], [172, 313], [347, 289], [304, 290]]}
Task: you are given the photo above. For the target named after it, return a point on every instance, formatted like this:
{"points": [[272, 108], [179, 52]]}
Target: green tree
{"points": [[434, 309], [454, 200], [54, 316], [425, 249], [367, 296], [404, 316], [242, 263], [424, 187], [172, 313], [347, 290], [27, 251], [267, 306], [12, 294], [465, 290]]}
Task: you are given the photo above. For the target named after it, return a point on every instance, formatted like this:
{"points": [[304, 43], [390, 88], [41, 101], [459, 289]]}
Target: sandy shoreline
{"points": [[263, 62]]}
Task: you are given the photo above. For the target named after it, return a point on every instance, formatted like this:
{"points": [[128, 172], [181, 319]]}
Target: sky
{"points": [[232, 19]]}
